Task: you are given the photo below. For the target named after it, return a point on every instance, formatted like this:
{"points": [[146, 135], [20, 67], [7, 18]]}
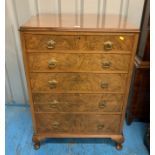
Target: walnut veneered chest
{"points": [[78, 78]]}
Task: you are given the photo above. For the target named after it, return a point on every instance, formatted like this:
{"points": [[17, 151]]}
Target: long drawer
{"points": [[77, 102], [50, 62], [84, 82], [77, 123], [84, 42]]}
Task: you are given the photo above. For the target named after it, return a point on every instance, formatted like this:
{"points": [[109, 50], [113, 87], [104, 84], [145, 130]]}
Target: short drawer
{"points": [[77, 62], [77, 102], [78, 82], [94, 42], [77, 123]]}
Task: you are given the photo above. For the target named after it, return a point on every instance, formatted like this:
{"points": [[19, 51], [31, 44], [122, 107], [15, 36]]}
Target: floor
{"points": [[19, 134]]}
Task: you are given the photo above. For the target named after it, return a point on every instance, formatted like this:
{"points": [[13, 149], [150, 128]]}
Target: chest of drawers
{"points": [[78, 80]]}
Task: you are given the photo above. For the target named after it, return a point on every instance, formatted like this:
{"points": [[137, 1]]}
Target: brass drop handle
{"points": [[100, 126], [51, 44], [55, 124], [106, 64], [104, 84], [102, 104], [52, 63], [52, 84], [53, 104], [108, 45]]}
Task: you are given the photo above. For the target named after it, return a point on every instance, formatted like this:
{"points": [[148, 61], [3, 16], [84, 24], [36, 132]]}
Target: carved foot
{"points": [[119, 146], [36, 146], [36, 141], [119, 140]]}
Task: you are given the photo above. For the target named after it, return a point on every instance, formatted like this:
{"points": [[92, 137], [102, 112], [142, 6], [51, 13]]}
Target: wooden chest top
{"points": [[68, 22]]}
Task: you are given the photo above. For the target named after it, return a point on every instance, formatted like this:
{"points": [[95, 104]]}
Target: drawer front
{"points": [[106, 43], [64, 82], [78, 62], [77, 102], [82, 42], [76, 123], [50, 42]]}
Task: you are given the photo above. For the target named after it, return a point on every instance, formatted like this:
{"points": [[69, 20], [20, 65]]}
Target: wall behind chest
{"points": [[18, 11]]}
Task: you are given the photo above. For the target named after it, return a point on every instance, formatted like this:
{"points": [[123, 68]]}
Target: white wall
{"points": [[18, 11]]}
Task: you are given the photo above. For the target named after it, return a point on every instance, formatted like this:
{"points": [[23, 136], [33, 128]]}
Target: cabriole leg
{"points": [[119, 140], [36, 141]]}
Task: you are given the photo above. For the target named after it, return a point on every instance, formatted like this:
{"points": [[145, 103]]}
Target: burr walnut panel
{"points": [[85, 82], [77, 102], [118, 42], [50, 62], [77, 123], [112, 42]]}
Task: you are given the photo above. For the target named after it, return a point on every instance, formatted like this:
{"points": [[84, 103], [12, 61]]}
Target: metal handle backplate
{"points": [[102, 104], [106, 64], [104, 84], [52, 63], [53, 104], [51, 44], [100, 126], [55, 124], [52, 84], [108, 45]]}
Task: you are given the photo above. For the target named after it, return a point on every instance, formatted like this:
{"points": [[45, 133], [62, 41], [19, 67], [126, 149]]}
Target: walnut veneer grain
{"points": [[76, 123], [77, 102], [78, 42], [40, 62], [84, 82]]}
